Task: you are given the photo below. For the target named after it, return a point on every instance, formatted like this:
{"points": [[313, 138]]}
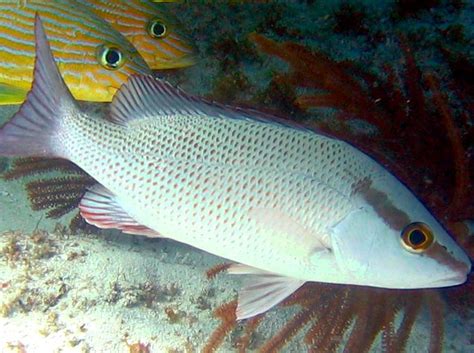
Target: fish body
{"points": [[153, 31], [79, 40], [288, 204]]}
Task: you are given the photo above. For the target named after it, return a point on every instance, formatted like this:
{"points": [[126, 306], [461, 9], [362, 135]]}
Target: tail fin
{"points": [[34, 129]]}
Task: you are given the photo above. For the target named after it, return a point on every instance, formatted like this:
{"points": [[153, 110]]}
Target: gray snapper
{"points": [[289, 205]]}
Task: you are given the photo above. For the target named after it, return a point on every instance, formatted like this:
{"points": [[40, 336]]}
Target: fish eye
{"points": [[417, 237], [110, 57], [156, 28]]}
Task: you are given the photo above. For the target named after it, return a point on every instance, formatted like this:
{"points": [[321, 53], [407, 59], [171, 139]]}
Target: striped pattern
{"points": [[74, 33], [131, 17]]}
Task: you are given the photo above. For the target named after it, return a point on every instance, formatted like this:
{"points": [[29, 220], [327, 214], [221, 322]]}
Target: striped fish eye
{"points": [[157, 28], [417, 237], [110, 56]]}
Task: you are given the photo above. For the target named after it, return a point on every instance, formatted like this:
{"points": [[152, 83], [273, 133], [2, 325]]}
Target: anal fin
{"points": [[262, 290], [100, 208]]}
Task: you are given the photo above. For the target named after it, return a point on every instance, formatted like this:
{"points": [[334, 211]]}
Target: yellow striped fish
{"points": [[152, 31], [94, 59]]}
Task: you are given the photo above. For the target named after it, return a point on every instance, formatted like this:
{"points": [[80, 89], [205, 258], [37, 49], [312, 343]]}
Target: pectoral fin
{"points": [[289, 233], [262, 290], [10, 94], [100, 208]]}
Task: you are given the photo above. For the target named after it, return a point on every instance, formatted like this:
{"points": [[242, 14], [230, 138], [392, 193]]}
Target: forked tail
{"points": [[35, 129]]}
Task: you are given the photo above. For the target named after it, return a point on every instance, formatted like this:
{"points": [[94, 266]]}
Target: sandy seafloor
{"points": [[99, 293]]}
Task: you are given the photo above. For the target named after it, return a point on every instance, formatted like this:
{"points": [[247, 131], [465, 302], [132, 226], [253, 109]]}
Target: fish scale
{"points": [[173, 181], [288, 204], [239, 142]]}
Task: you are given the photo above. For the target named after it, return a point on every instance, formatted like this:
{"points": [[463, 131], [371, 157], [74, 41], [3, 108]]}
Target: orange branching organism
{"points": [[412, 118], [334, 316], [59, 195]]}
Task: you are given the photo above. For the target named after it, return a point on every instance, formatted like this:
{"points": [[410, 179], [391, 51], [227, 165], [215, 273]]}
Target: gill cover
{"points": [[370, 251]]}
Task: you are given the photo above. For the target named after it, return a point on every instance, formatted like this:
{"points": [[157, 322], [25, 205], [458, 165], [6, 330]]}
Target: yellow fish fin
{"points": [[10, 94]]}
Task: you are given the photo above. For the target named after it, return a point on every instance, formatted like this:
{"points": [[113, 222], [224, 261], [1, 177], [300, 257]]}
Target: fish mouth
{"points": [[459, 277], [449, 281]]}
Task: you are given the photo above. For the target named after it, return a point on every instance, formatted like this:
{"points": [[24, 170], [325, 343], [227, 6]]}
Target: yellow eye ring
{"points": [[157, 28], [417, 237], [110, 56]]}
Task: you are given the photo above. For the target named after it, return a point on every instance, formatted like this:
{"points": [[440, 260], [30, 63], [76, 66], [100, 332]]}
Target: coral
{"points": [[174, 315], [138, 347], [28, 255], [16, 347], [148, 294], [12, 250]]}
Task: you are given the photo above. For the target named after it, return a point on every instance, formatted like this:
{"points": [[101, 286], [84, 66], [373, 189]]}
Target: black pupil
{"points": [[112, 57], [158, 29], [417, 237]]}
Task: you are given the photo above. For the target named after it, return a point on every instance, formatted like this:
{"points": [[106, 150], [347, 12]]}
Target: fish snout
{"points": [[461, 273], [457, 263]]}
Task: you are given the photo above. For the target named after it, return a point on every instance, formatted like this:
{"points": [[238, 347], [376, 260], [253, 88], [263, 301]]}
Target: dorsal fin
{"points": [[147, 97]]}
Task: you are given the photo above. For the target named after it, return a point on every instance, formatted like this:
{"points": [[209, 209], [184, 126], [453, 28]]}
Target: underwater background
{"points": [[394, 78]]}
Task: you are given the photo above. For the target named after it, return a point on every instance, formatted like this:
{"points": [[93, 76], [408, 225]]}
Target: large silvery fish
{"points": [[288, 204], [153, 31], [94, 59]]}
